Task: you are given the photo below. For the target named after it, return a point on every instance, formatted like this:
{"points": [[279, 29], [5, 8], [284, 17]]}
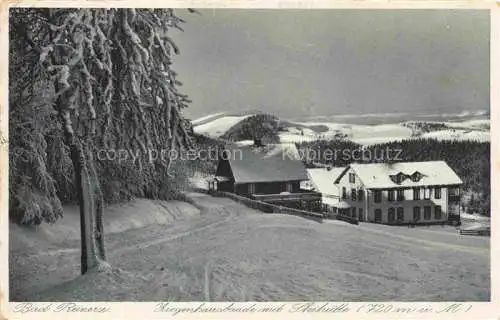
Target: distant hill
{"points": [[238, 126], [261, 126]]}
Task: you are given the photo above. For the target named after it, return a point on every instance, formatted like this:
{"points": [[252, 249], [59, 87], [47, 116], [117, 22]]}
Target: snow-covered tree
{"points": [[106, 75]]}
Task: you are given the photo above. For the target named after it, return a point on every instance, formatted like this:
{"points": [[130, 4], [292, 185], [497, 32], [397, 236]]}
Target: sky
{"points": [[299, 63]]}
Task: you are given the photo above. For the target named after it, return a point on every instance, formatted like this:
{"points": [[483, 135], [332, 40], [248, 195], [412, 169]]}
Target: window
{"points": [[378, 215], [453, 191], [401, 194], [427, 213], [437, 212], [353, 212], [353, 194], [437, 193], [416, 193], [391, 215], [360, 214], [287, 186], [416, 213], [344, 193], [251, 188], [391, 195], [416, 176], [401, 214], [427, 193], [400, 177], [360, 195], [352, 178], [377, 194]]}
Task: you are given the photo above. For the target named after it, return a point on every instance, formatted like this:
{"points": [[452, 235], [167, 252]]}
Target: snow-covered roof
{"points": [[379, 175], [323, 179], [270, 163]]}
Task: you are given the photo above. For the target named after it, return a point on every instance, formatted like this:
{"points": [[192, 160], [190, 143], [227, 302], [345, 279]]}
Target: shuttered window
{"points": [[416, 194], [427, 213], [416, 213], [401, 195], [391, 195], [437, 193], [401, 214], [391, 215], [437, 212]]}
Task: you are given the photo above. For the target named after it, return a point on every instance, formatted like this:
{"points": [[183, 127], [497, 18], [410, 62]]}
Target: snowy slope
{"points": [[234, 253], [205, 118], [363, 134], [219, 126]]}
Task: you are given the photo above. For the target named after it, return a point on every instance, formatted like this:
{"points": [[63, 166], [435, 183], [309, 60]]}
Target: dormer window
{"points": [[416, 176], [398, 178]]}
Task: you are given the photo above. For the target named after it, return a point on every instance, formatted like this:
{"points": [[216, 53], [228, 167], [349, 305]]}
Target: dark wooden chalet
{"points": [[265, 173]]}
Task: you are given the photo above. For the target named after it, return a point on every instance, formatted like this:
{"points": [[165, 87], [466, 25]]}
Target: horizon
{"points": [[366, 119], [332, 62]]}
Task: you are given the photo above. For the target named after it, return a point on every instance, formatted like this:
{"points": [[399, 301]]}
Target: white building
{"points": [[398, 193], [321, 180]]}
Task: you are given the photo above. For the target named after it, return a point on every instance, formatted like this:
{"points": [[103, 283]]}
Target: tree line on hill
{"points": [[258, 126]]}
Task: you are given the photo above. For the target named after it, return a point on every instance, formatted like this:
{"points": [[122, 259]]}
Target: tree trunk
{"points": [[91, 207], [90, 196]]}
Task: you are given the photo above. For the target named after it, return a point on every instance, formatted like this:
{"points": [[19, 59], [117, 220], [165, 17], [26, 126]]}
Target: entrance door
{"points": [[378, 215]]}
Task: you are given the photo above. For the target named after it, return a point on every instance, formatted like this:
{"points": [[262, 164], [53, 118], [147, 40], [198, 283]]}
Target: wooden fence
{"points": [[269, 208], [344, 218], [264, 206]]}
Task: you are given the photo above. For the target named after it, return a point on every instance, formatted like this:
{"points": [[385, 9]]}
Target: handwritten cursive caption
{"points": [[303, 307], [311, 307], [30, 307]]}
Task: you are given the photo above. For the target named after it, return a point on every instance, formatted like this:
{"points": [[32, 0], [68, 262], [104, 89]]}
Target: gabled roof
{"points": [[378, 175], [266, 164], [323, 179]]}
